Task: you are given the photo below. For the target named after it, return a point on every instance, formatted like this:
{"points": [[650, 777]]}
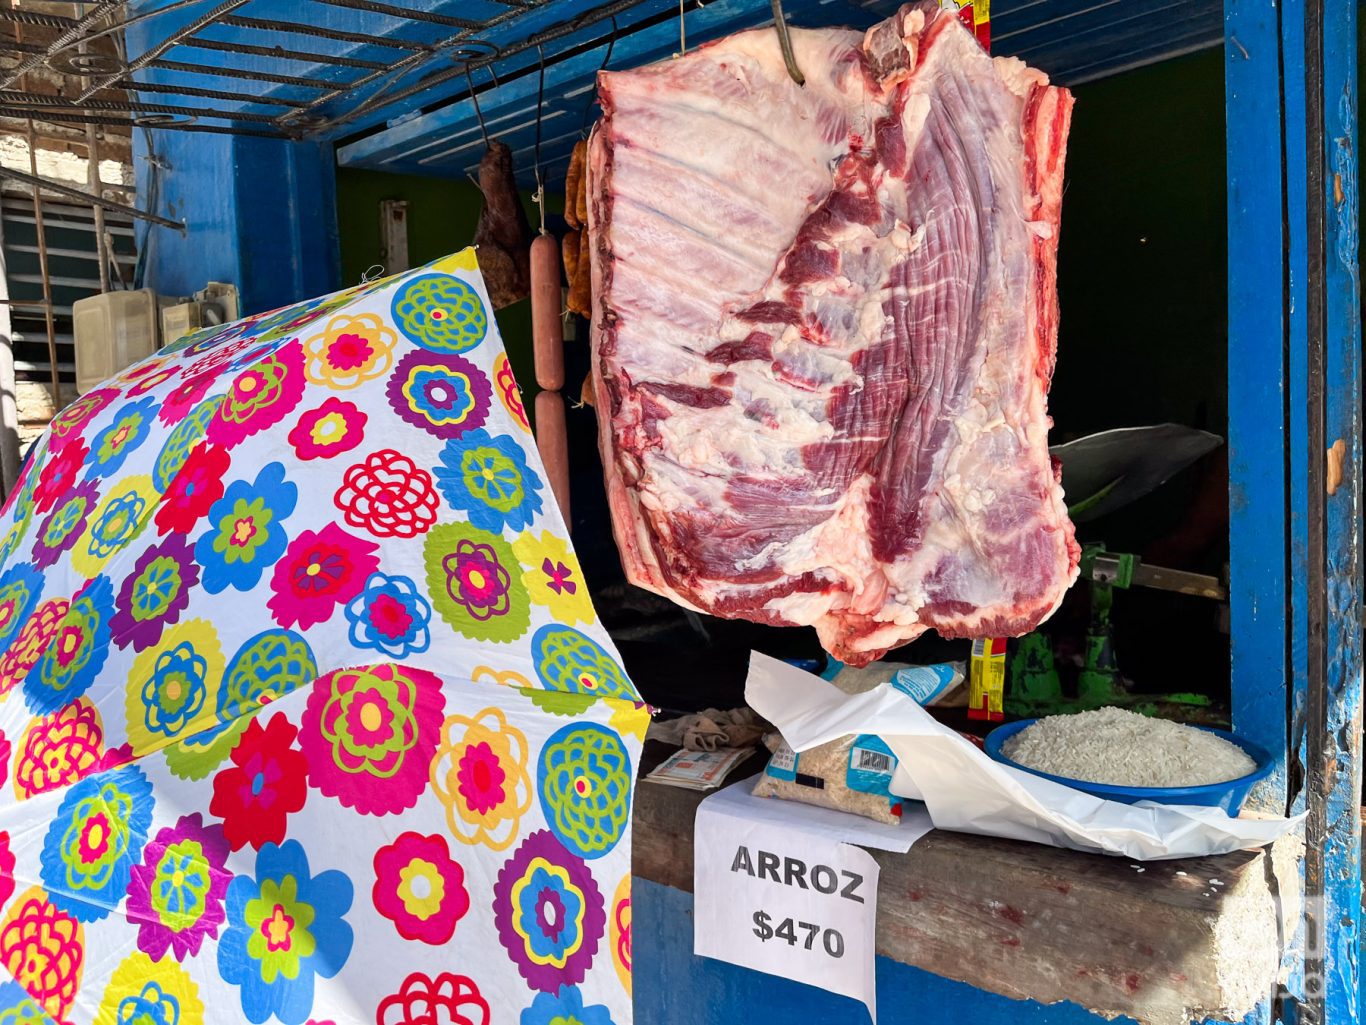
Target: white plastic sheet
{"points": [[966, 791]]}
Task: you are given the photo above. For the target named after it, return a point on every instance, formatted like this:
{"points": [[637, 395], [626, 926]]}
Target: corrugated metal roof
{"points": [[395, 91], [1073, 40]]}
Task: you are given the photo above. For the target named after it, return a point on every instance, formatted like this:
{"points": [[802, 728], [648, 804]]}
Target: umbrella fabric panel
{"points": [[290, 593], [250, 893]]}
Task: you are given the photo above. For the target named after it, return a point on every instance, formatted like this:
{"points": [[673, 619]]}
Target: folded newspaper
{"points": [[699, 770], [966, 791]]}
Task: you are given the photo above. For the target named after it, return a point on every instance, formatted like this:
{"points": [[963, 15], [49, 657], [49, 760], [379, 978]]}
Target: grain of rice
{"points": [[1123, 748]]}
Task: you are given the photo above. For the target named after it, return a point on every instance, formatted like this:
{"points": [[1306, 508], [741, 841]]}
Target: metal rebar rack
{"points": [[344, 69]]}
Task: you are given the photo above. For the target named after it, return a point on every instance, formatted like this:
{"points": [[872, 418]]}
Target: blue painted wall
{"points": [[673, 987], [261, 214]]}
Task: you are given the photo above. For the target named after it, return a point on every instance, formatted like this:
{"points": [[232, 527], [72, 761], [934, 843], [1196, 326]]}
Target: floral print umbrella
{"points": [[305, 714]]}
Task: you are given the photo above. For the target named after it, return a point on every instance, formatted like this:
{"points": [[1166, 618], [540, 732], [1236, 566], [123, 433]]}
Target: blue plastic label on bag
{"points": [[922, 684], [871, 765], [783, 764]]}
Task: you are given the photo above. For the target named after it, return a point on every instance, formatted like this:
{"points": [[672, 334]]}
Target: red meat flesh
{"points": [[825, 321]]}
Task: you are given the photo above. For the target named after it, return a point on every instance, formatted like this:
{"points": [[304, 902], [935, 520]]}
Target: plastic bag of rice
{"points": [[854, 773]]}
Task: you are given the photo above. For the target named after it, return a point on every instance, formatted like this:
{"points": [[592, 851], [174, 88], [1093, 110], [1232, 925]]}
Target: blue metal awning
{"points": [[1073, 40], [395, 83]]}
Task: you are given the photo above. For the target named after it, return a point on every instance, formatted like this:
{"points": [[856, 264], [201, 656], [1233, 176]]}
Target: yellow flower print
{"points": [[504, 678], [553, 578], [173, 687], [629, 718], [480, 775], [153, 991], [350, 351], [120, 517]]}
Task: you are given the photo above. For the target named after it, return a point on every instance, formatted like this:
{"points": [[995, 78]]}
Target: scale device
{"points": [[1110, 470]]}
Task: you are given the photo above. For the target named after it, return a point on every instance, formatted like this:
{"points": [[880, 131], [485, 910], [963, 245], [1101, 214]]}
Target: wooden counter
{"points": [[1162, 942]]}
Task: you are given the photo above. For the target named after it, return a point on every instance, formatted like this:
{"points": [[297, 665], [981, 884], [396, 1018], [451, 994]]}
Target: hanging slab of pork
{"points": [[503, 236], [824, 326]]}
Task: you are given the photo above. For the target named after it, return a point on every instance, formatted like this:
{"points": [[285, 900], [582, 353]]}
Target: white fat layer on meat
{"points": [[717, 160]]}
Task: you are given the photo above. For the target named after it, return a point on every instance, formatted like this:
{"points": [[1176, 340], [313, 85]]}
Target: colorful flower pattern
{"points": [[261, 396], [388, 495], [584, 781], [121, 516], [470, 578], [480, 775], [619, 931], [440, 312], [245, 534], [155, 593], [65, 524], [43, 949], [489, 479], [264, 785], [286, 927], [28, 648], [173, 687], [192, 492], [131, 426], [421, 1000], [76, 652], [444, 395], [335, 427], [565, 1008], [285, 582], [569, 660], [552, 576], [177, 891], [420, 888], [21, 586], [58, 750], [508, 392], [319, 571], [143, 991], [95, 840], [182, 440], [548, 912], [370, 734], [391, 616], [350, 351]]}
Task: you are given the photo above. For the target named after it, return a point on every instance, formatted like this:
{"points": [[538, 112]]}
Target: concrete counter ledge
{"points": [[1162, 943]]}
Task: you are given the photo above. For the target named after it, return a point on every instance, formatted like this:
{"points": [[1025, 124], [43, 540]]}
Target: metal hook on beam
{"points": [[785, 42]]}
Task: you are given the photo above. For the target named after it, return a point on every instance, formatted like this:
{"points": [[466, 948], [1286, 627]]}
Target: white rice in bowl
{"points": [[1122, 748]]}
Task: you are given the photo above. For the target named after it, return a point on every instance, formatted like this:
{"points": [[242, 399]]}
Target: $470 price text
{"points": [[787, 930], [794, 872]]}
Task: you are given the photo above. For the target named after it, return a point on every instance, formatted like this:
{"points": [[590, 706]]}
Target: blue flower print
{"points": [[390, 615], [565, 1008], [284, 928], [245, 537], [20, 588], [130, 427], [95, 840], [489, 478], [76, 653]]}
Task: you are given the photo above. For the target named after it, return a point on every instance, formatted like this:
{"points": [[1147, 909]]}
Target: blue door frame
{"points": [[1294, 395]]}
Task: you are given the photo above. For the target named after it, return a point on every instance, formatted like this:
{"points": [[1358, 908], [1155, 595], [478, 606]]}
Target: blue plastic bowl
{"points": [[1228, 795]]}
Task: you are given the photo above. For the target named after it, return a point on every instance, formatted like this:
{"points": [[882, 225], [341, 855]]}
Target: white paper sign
{"points": [[784, 899]]}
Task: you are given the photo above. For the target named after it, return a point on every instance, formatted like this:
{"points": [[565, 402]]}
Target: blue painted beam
{"points": [[1340, 919], [1258, 586], [671, 985]]}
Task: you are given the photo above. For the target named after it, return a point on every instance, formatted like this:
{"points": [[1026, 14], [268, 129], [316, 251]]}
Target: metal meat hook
{"points": [[785, 41]]}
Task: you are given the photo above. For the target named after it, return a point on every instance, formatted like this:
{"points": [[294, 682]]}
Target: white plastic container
{"points": [[112, 332]]}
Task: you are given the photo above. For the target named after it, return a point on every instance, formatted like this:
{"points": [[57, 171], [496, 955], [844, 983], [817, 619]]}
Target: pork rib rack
{"points": [[825, 321]]}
